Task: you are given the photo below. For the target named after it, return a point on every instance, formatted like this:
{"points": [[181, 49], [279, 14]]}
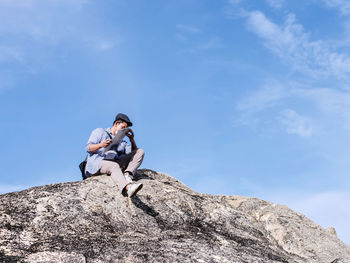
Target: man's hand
{"points": [[105, 143], [130, 135], [96, 147]]}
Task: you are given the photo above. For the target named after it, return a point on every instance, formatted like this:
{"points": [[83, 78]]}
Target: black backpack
{"points": [[82, 165]]}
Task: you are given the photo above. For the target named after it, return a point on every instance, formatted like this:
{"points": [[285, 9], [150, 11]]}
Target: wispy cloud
{"points": [[37, 25], [101, 43], [106, 45], [188, 28], [234, 2], [36, 34], [290, 42], [252, 109], [317, 60], [332, 104], [39, 19], [277, 4], [294, 123], [196, 40], [10, 54], [211, 43], [44, 26], [184, 32], [342, 5], [276, 101], [303, 104], [269, 95]]}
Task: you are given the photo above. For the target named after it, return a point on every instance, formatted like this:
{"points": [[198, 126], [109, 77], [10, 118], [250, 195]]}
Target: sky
{"points": [[235, 97]]}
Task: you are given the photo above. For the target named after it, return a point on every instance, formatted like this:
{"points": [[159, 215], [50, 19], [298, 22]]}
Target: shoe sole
{"points": [[136, 191]]}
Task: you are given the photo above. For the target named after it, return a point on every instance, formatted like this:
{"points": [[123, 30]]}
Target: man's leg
{"points": [[132, 161], [113, 169]]}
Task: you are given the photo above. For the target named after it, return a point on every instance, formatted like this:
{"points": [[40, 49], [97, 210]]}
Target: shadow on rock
{"points": [[144, 207], [138, 176]]}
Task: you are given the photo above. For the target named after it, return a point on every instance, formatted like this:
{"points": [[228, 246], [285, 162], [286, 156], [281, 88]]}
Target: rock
{"points": [[90, 221], [331, 230]]}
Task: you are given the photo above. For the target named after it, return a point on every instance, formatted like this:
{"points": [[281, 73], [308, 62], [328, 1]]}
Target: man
{"points": [[121, 161]]}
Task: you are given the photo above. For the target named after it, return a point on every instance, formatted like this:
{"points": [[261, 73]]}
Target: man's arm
{"points": [[133, 144], [95, 147], [95, 141], [132, 140]]}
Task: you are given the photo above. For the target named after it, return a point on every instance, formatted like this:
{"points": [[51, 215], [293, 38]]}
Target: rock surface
{"points": [[90, 221]]}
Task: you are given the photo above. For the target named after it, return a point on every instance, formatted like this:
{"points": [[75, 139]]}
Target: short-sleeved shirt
{"points": [[93, 159]]}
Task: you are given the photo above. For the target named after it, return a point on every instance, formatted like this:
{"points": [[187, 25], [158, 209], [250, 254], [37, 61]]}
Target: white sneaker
{"points": [[128, 178], [133, 189]]}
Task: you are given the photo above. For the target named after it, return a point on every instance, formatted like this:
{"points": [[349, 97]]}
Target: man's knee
{"points": [[108, 166]]}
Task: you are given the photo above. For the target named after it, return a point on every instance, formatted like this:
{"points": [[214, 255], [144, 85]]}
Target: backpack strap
{"points": [[110, 136]]}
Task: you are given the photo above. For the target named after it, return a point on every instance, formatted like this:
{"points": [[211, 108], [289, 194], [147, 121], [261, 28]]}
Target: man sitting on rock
{"points": [[120, 162]]}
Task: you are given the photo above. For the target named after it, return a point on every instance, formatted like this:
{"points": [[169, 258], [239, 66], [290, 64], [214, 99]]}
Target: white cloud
{"points": [[29, 27], [101, 43], [333, 105], [328, 107], [252, 110], [106, 45], [180, 37], [197, 39], [35, 34], [234, 2], [32, 26], [302, 107], [289, 41], [327, 99], [188, 29], [212, 43], [233, 9], [38, 19], [295, 123], [278, 4], [268, 96], [10, 54], [317, 61], [30, 3], [185, 31], [342, 5], [314, 58]]}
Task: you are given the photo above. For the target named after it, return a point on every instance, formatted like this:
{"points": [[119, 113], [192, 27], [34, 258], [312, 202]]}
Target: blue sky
{"points": [[230, 96]]}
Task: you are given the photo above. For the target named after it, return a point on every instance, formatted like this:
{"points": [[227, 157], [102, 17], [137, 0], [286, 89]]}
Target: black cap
{"points": [[123, 117]]}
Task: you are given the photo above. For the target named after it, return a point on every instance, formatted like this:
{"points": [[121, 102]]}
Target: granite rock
{"points": [[91, 222]]}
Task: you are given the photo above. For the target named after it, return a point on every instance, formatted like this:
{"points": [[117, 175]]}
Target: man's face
{"points": [[121, 125]]}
